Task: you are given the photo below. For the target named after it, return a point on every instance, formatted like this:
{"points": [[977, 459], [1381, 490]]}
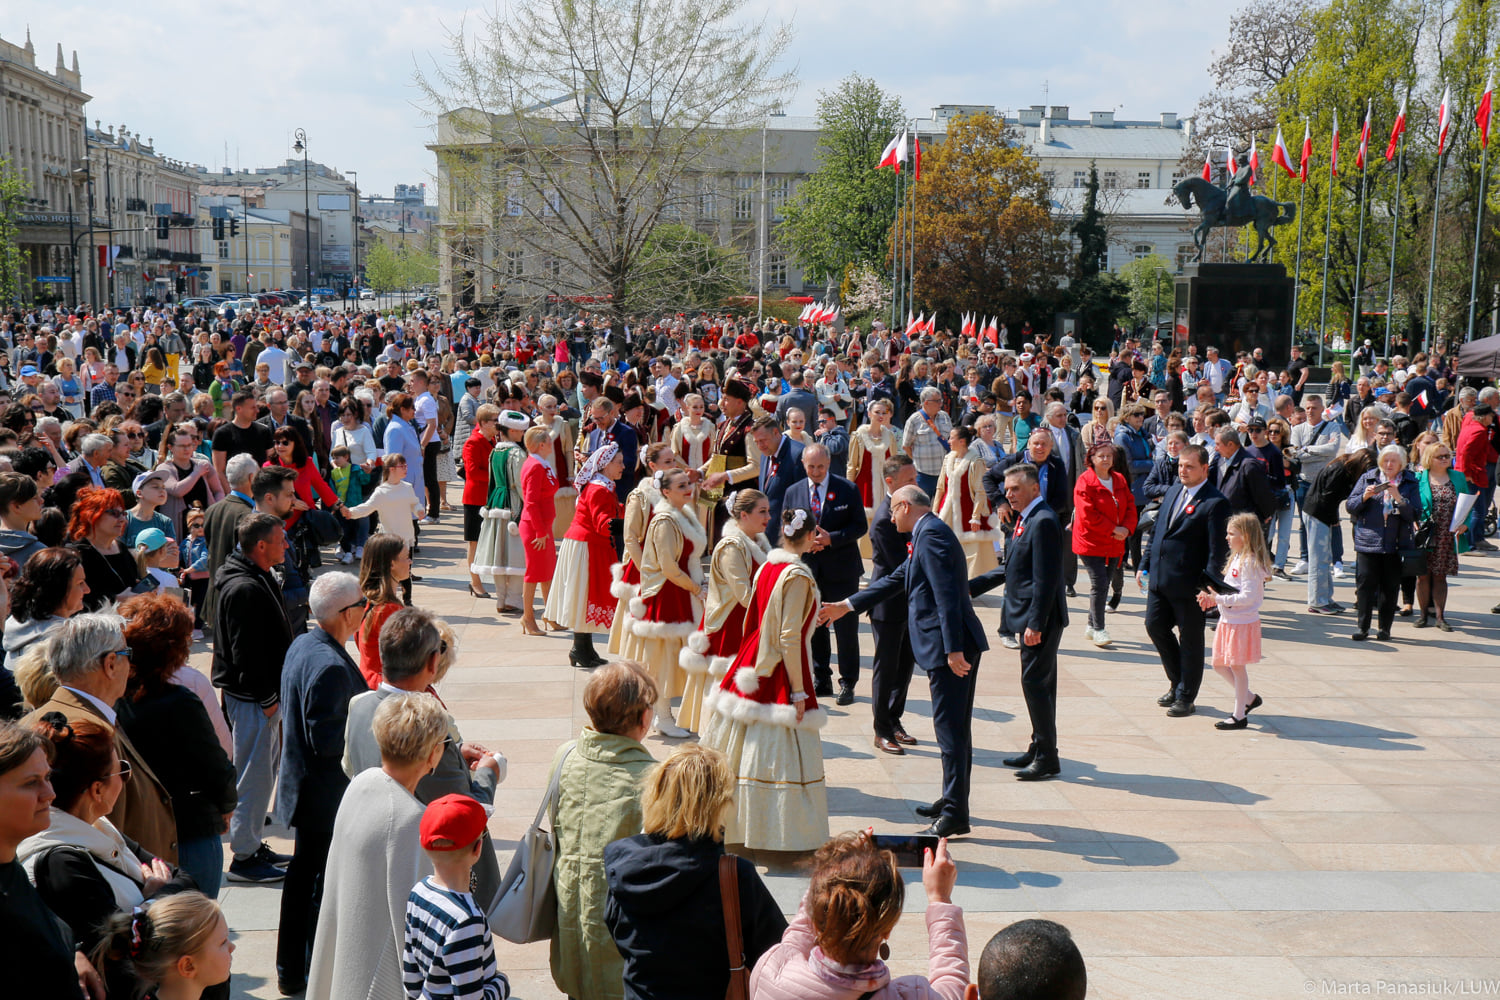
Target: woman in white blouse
{"points": [[353, 433]]}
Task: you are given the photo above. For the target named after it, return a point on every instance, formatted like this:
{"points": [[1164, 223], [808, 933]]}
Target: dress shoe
{"points": [[1181, 707], [904, 738], [944, 826], [846, 693], [1423, 622], [1166, 700], [1361, 635], [930, 812], [1254, 705], [586, 663], [888, 746], [823, 689], [1072, 592], [1233, 723], [1020, 760], [1039, 770], [1405, 612], [1443, 626], [1384, 635], [289, 987]]}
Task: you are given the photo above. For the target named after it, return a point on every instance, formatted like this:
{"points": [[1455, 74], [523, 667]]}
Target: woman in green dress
{"points": [[500, 553]]}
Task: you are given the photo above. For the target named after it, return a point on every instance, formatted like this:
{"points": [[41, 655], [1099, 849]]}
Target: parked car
{"points": [[366, 293], [240, 306], [198, 303]]}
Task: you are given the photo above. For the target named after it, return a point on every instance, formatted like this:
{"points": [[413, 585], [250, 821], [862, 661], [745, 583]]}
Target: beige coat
{"points": [[731, 574]]}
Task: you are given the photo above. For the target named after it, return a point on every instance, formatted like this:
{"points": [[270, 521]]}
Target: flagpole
{"points": [[911, 222], [896, 247], [1359, 245], [1301, 219], [1390, 292], [1432, 258], [1327, 241], [1478, 227]]}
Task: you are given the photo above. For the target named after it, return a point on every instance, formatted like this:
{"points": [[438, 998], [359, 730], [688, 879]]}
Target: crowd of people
{"points": [[702, 493]]}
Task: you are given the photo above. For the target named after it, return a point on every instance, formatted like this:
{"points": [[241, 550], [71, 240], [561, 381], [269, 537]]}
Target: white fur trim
{"points": [[747, 711], [691, 527], [747, 680], [690, 660], [782, 556], [698, 642], [618, 588], [479, 569], [494, 512], [637, 607], [659, 630], [758, 547], [513, 528], [718, 666]]}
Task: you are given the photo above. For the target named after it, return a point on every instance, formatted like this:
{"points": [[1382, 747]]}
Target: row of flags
{"points": [[1282, 157], [815, 312], [979, 328], [896, 154]]}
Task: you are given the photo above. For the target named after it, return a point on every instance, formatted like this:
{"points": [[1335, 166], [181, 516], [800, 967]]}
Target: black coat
{"points": [[1246, 484], [1059, 492], [173, 733], [667, 917], [1163, 477], [1183, 548], [251, 632], [888, 548], [843, 517]]}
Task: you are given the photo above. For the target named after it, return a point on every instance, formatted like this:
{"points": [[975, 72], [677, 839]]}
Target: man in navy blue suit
{"points": [[1188, 539], [780, 463], [891, 666], [946, 640], [835, 563], [1035, 609]]}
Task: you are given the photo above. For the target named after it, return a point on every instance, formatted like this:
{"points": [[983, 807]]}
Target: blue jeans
{"points": [[203, 858], [257, 757], [1281, 524], [928, 484], [1482, 505], [1300, 494], [1319, 562]]}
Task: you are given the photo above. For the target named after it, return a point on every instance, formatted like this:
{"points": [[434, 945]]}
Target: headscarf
{"points": [[592, 470]]}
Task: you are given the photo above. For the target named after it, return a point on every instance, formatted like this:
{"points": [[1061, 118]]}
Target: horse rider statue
{"points": [[1234, 206]]}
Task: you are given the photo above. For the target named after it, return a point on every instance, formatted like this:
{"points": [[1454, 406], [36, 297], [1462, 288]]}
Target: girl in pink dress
{"points": [[1237, 639], [538, 487]]}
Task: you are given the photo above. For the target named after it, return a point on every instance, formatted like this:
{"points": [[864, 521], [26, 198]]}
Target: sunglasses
{"points": [[362, 603], [124, 772], [116, 512]]}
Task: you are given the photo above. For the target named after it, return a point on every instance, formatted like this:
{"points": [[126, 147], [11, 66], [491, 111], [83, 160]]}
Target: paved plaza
{"points": [[1345, 844]]}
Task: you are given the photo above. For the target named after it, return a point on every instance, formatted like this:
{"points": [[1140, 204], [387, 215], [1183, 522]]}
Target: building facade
{"points": [[135, 188]]}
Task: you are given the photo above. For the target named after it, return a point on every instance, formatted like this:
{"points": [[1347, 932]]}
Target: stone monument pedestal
{"points": [[1235, 307]]}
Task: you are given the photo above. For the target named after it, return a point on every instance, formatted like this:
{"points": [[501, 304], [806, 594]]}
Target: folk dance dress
{"points": [[562, 464], [500, 553], [731, 584], [580, 598], [960, 497], [625, 575], [663, 621], [694, 446], [781, 799], [867, 454], [538, 487]]}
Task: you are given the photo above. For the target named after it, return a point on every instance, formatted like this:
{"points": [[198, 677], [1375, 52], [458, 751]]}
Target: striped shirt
{"points": [[448, 951]]}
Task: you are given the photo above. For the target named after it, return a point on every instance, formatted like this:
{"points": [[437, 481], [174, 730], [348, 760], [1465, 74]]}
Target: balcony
{"points": [[182, 257], [136, 205]]}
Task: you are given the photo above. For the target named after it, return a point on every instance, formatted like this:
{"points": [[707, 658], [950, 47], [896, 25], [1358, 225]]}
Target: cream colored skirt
{"points": [[781, 798]]}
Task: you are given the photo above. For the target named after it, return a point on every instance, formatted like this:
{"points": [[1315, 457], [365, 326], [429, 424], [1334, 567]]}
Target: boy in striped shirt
{"points": [[448, 951]]}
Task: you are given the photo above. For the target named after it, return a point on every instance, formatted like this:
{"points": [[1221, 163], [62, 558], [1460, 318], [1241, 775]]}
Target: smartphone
{"points": [[906, 848]]}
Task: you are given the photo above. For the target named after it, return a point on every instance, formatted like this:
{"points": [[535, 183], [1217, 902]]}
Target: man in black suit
{"points": [[890, 669], [1242, 480], [835, 563], [1188, 539], [780, 463], [946, 641], [1036, 609], [1057, 494], [280, 416]]}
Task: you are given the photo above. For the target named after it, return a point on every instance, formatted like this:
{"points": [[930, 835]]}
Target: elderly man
{"points": [[104, 390], [412, 659], [222, 521], [94, 452], [279, 417], [925, 438], [1240, 477], [317, 683], [174, 411], [251, 638], [780, 464], [91, 663]]}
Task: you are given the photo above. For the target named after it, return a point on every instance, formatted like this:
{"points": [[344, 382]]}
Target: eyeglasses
{"points": [[115, 512], [362, 603], [127, 652], [123, 773]]}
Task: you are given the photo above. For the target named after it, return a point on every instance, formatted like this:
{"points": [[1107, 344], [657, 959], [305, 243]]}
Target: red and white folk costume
{"points": [[640, 508], [561, 460], [868, 452], [580, 597], [693, 444], [731, 584], [960, 498], [664, 617]]}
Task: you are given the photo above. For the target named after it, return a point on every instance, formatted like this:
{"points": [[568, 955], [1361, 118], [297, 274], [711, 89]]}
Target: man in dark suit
{"points": [[1057, 494], [780, 464], [890, 669], [1241, 479], [798, 397], [1188, 539], [834, 559], [1036, 609], [946, 640]]}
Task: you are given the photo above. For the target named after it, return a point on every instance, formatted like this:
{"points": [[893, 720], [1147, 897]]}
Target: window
{"points": [[552, 268], [1143, 178], [552, 206], [708, 207], [776, 270], [1178, 175], [744, 199], [1185, 253], [223, 249], [1141, 251], [513, 267], [1080, 178], [778, 190], [513, 194], [1111, 179], [1050, 176]]}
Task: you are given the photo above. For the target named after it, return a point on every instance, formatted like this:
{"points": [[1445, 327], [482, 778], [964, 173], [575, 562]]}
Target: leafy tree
{"points": [[682, 268], [985, 239], [12, 258], [1141, 278], [1097, 296], [383, 269], [843, 213]]}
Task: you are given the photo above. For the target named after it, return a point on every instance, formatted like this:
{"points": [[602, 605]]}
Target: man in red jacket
{"points": [[1474, 452]]}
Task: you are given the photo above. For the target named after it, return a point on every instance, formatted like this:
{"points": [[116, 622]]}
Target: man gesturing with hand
{"points": [[946, 640]]}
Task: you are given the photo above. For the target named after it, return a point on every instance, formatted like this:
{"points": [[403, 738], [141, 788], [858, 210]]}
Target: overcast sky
{"points": [[227, 83]]}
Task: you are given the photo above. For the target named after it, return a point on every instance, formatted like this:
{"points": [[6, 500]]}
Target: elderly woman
{"points": [[833, 948], [170, 727], [677, 855], [598, 802], [376, 856], [1384, 504], [96, 528], [52, 589]]}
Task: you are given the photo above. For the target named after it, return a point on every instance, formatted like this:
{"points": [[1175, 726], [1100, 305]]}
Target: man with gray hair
{"points": [[317, 683], [925, 438], [93, 452], [89, 658], [413, 657], [222, 520]]}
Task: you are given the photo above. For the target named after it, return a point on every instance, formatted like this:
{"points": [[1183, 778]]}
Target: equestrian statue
{"points": [[1234, 206]]}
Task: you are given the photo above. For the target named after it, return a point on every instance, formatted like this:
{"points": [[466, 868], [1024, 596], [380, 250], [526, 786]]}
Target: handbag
{"points": [[1413, 562], [729, 895], [322, 527], [525, 908]]}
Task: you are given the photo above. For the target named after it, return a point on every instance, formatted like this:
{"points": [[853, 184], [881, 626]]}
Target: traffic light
{"points": [[234, 227], [218, 230], [163, 227]]}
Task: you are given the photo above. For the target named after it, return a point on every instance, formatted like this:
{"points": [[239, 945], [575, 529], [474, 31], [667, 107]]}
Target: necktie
{"points": [[1182, 503], [817, 501]]}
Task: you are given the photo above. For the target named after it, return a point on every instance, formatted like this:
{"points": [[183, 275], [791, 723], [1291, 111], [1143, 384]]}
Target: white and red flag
{"points": [[1364, 141], [1445, 121], [1208, 167], [1333, 153], [1396, 130], [1306, 150], [1482, 116], [895, 153], [1254, 161], [1279, 155]]}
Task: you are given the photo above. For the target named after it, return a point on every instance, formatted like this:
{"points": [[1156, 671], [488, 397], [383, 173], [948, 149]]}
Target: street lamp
{"points": [[301, 147], [1156, 316], [354, 266]]}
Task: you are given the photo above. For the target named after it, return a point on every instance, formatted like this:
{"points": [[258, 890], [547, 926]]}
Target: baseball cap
{"points": [[1256, 424], [28, 370], [146, 477], [151, 539], [454, 818]]}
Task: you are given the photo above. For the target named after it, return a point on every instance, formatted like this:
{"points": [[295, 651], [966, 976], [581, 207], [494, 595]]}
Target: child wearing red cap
{"points": [[448, 950]]}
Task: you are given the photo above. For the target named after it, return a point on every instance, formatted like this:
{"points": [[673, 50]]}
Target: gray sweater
{"points": [[1315, 445]]}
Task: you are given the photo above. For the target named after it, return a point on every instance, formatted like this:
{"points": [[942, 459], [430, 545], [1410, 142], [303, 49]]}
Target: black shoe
{"points": [[586, 662], [846, 693], [254, 872], [417, 579], [1405, 612], [1254, 705], [1040, 769], [943, 826], [1021, 760], [290, 988], [1166, 700], [1384, 635], [1072, 592], [1423, 622], [823, 689], [1114, 601], [264, 854], [1233, 723], [1361, 635], [930, 812], [1181, 707]]}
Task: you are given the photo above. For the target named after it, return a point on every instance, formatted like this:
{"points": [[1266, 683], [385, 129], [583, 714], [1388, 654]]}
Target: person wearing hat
{"points": [[498, 550], [156, 556], [448, 950], [150, 490]]}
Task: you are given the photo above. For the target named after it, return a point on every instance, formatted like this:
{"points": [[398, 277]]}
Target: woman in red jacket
{"points": [[539, 486], [1104, 516], [291, 453], [476, 456]]}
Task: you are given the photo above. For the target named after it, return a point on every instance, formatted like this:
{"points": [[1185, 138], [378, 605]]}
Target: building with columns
{"points": [[135, 187]]}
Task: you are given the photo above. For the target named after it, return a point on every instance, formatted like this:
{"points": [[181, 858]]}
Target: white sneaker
{"points": [[1088, 633], [427, 521], [346, 558], [665, 727], [1338, 571], [1009, 642], [1101, 637], [1299, 569]]}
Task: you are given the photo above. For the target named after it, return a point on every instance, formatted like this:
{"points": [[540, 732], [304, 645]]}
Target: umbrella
{"points": [[1480, 358]]}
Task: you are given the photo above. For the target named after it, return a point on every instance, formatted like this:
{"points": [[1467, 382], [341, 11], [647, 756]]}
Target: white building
{"points": [[134, 188]]}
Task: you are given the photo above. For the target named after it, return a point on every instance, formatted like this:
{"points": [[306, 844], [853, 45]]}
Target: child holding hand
{"points": [[1237, 639]]}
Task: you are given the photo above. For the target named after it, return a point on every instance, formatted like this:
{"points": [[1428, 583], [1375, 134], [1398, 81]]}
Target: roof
{"points": [[1131, 202]]}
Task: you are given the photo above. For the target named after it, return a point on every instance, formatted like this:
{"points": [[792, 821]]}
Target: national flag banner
{"points": [[1333, 153], [1364, 141], [1280, 157], [901, 151], [1228, 160], [1306, 150], [1421, 399], [1396, 132], [1254, 161], [1445, 120], [1208, 168], [888, 158], [1482, 116], [916, 158]]}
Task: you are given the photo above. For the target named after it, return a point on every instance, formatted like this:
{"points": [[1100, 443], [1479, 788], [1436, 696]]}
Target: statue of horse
{"points": [[1211, 200]]}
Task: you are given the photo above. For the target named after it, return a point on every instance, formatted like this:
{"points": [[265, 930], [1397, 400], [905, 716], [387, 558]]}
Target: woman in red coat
{"points": [[477, 483], [1104, 516], [538, 489], [291, 453], [581, 599]]}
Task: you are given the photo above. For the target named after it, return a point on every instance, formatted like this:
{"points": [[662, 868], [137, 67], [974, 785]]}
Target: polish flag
{"points": [[1306, 150], [1208, 168], [1254, 161], [802, 317], [932, 324], [966, 326], [1445, 121], [895, 153], [1364, 142], [1279, 155], [992, 332], [1229, 160], [916, 158], [1333, 154], [1482, 116], [914, 326], [1396, 131]]}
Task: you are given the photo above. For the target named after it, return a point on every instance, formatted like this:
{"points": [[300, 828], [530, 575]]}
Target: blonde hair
{"points": [[33, 673], [148, 940], [1255, 551], [407, 726], [533, 438], [1429, 455], [684, 797]]}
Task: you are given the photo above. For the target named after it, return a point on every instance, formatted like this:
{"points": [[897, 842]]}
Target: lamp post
{"points": [[1156, 316], [301, 147]]}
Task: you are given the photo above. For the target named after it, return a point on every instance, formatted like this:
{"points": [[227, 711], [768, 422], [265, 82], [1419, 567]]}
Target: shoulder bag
{"points": [[525, 908], [729, 895]]}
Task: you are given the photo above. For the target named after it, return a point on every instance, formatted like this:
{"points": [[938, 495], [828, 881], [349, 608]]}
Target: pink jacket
{"points": [[796, 969]]}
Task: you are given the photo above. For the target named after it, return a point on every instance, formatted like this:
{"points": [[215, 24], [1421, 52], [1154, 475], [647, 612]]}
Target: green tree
{"points": [[681, 268], [843, 212], [1093, 237], [383, 269], [1097, 296], [12, 258], [1144, 282]]}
